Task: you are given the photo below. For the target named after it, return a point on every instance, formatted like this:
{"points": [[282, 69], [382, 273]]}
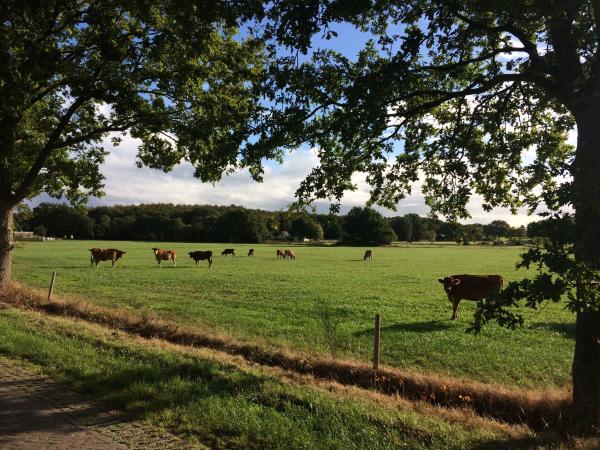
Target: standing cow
{"points": [[228, 251], [110, 254], [280, 253], [251, 252], [290, 254], [164, 255], [470, 287], [368, 255], [201, 256]]}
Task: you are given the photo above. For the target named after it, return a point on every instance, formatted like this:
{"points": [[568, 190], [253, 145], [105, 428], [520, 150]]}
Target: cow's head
{"points": [[155, 250], [119, 254], [449, 284], [191, 254]]}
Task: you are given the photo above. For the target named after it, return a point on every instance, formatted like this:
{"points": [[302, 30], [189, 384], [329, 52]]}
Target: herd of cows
{"points": [[113, 255], [457, 287]]}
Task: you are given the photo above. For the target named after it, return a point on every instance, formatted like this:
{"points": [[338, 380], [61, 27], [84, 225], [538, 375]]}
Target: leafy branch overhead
{"points": [[175, 76], [559, 275], [469, 96]]}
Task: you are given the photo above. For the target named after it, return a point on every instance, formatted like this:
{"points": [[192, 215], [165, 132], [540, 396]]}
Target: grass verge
{"points": [[224, 402], [541, 410]]}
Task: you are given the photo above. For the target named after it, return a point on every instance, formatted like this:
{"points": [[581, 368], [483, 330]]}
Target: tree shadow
{"points": [[508, 444], [413, 327], [135, 392], [568, 329]]}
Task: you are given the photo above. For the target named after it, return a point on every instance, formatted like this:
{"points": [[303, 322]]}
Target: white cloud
{"points": [[128, 184]]}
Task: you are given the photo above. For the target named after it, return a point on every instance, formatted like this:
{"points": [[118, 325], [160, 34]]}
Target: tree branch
{"points": [[21, 192], [466, 62], [92, 134], [530, 47]]}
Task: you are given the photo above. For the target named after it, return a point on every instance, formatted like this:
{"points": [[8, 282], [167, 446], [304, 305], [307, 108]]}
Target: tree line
{"points": [[212, 223]]}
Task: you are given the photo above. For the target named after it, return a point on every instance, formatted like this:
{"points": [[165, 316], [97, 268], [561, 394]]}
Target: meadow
{"points": [[323, 303]]}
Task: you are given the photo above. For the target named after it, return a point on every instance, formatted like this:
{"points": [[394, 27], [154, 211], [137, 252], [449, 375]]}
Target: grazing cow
{"points": [[470, 287], [368, 255], [251, 252], [110, 254], [290, 254], [280, 253], [164, 255], [201, 256], [228, 251]]}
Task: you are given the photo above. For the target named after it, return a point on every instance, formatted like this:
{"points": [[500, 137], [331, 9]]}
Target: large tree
{"points": [[365, 226], [176, 75], [469, 96]]}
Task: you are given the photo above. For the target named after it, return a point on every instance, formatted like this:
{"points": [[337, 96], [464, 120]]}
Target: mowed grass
{"points": [[223, 403], [323, 302]]}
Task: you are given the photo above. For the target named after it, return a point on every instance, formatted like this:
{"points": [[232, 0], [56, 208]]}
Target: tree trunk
{"points": [[586, 185], [6, 246]]}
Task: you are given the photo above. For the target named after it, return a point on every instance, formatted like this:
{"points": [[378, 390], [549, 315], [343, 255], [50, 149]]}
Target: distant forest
{"points": [[208, 223]]}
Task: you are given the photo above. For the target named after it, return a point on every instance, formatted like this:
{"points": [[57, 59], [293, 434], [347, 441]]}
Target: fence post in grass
{"points": [[376, 339], [51, 286]]}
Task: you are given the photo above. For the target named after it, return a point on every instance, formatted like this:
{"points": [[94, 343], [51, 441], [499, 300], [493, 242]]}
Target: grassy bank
{"points": [[323, 303], [220, 401]]}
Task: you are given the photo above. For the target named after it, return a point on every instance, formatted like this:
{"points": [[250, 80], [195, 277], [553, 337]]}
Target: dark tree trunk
{"points": [[6, 246], [586, 184]]}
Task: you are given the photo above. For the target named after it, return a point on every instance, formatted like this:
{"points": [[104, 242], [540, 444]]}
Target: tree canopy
{"points": [[470, 98], [174, 76], [367, 226]]}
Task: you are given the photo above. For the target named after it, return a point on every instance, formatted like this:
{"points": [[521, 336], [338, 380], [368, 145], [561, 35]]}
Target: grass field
{"points": [[323, 303], [219, 401]]}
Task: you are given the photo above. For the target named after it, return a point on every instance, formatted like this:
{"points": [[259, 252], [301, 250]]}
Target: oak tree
{"points": [[176, 75], [470, 97]]}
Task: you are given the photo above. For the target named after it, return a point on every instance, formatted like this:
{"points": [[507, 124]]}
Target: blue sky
{"points": [[127, 184]]}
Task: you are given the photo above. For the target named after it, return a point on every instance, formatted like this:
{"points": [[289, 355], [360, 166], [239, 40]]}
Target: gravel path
{"points": [[38, 413]]}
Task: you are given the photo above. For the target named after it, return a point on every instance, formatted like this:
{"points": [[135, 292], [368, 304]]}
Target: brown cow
{"points": [[110, 254], [251, 252], [368, 255], [280, 253], [470, 287], [164, 255], [290, 254], [201, 256], [228, 251]]}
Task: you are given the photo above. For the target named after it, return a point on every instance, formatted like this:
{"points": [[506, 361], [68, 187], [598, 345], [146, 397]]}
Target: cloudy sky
{"points": [[128, 184]]}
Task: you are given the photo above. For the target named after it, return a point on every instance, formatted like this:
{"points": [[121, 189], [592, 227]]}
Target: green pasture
{"points": [[323, 302]]}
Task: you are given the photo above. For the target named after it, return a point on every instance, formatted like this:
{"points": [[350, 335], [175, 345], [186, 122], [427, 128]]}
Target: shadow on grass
{"points": [[568, 329], [413, 327]]}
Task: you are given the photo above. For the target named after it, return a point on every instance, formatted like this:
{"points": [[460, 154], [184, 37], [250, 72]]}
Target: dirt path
{"points": [[38, 413]]}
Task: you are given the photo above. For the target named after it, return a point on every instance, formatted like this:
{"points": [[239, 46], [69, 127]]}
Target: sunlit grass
{"points": [[323, 302]]}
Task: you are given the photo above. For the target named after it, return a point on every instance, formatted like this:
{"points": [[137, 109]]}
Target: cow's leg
{"points": [[454, 308]]}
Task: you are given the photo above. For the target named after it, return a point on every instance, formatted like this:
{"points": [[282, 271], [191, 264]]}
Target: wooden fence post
{"points": [[51, 286], [376, 340]]}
